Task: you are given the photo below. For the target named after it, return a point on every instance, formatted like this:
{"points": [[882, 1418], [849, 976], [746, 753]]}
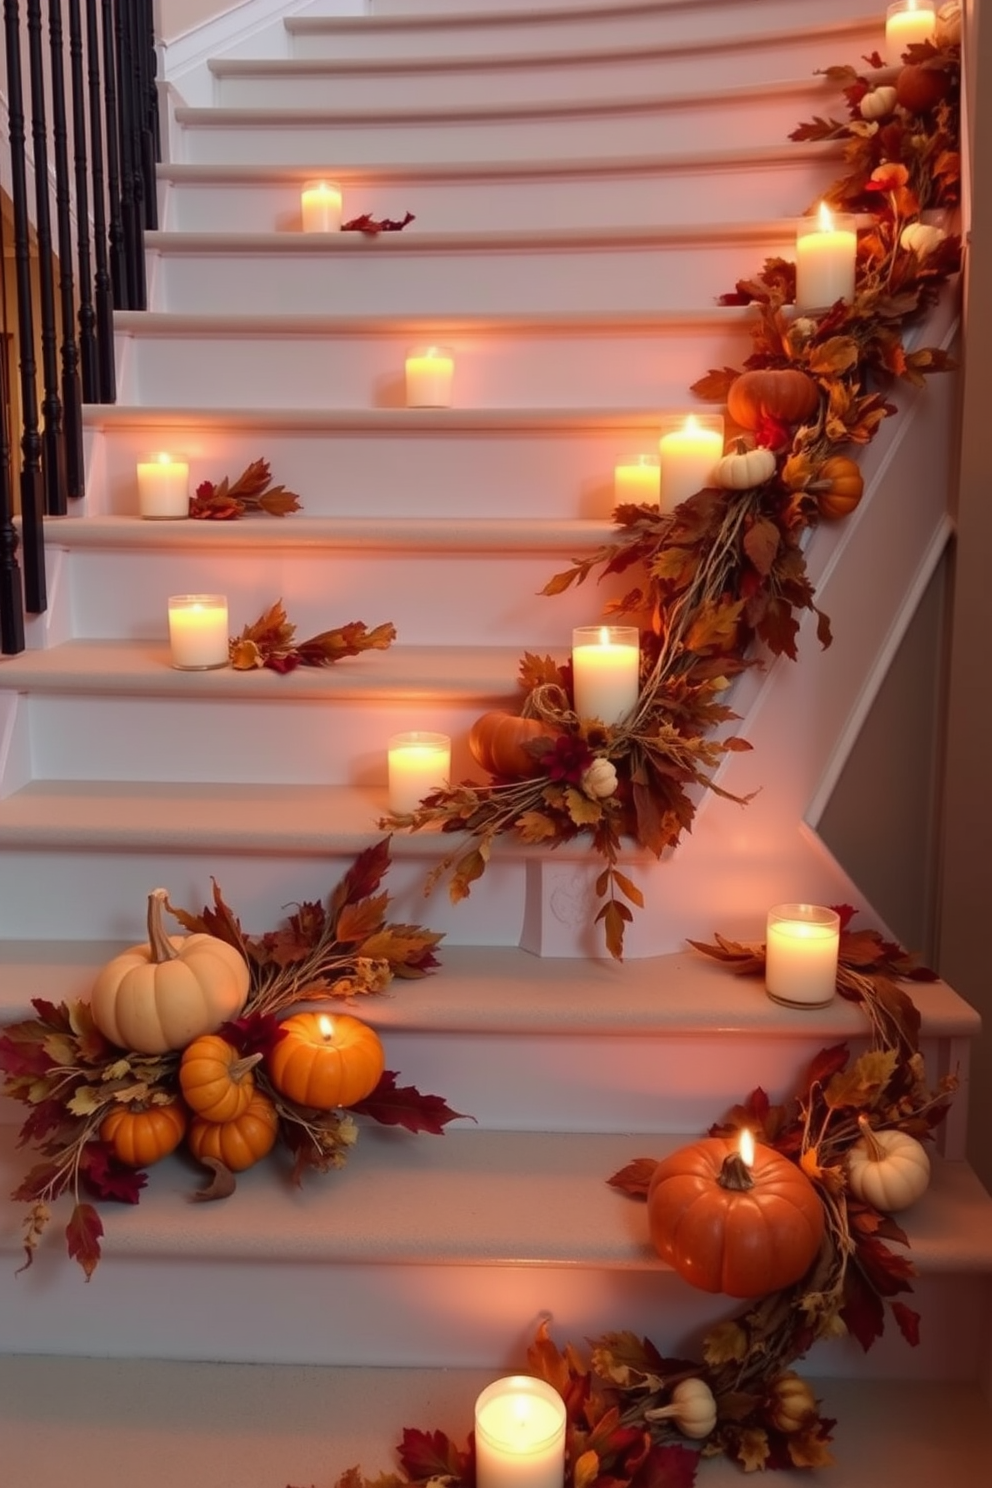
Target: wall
{"points": [[176, 17]]}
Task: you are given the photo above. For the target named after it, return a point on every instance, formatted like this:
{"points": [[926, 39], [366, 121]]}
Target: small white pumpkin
{"points": [[921, 238], [878, 103], [600, 780], [949, 23], [742, 469], [888, 1169], [692, 1409], [792, 1402]]}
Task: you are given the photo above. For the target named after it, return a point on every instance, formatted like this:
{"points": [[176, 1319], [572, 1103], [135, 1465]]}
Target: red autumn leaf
{"points": [[356, 922], [888, 1273], [23, 1055], [714, 386], [253, 1033], [667, 1467], [282, 664], [863, 1310], [827, 1063], [908, 1321], [403, 1105], [366, 223], [107, 1178], [82, 1235], [431, 1454], [47, 1116], [846, 913], [43, 1181], [362, 878], [635, 1178]]}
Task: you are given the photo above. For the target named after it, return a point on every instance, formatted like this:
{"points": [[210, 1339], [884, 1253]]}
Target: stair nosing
{"points": [[575, 421], [172, 322]]}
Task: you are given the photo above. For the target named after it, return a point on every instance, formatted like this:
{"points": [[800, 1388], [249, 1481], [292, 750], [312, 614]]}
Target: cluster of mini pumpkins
{"points": [[174, 993]]}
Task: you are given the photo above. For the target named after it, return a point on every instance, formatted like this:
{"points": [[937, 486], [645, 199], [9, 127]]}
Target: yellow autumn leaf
{"points": [[583, 811], [534, 826], [117, 1070], [861, 1085], [586, 1470], [752, 1449], [726, 1343], [60, 1049], [808, 1449], [797, 472], [85, 1101]]}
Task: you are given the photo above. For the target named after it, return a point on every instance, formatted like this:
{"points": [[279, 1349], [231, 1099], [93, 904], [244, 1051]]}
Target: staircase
{"points": [[585, 182]]}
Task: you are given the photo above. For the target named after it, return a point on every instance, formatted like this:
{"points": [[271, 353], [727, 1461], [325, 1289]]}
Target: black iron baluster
{"points": [[72, 401], [85, 315], [131, 183], [11, 595], [103, 287], [146, 71], [118, 270], [32, 506]]}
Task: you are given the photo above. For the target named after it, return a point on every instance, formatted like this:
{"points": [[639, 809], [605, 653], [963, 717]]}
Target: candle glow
{"points": [[320, 207], [909, 23], [163, 487], [520, 1435], [419, 763], [801, 952], [826, 254], [606, 664], [198, 631], [639, 482], [429, 374], [688, 452]]}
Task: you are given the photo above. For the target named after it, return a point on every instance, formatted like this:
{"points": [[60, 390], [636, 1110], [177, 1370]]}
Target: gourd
{"points": [[919, 87], [240, 1143], [216, 1083], [792, 1402], [164, 994], [948, 28], [497, 741], [729, 1227], [785, 394], [324, 1062], [838, 487], [742, 469], [141, 1136], [692, 1409], [888, 1169], [878, 103], [921, 238]]}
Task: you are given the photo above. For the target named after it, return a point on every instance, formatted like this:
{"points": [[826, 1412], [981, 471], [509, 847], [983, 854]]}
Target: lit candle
{"points": [[826, 249], [198, 631], [519, 1435], [606, 664], [908, 23], [429, 374], [801, 954], [320, 207], [688, 450], [638, 483], [419, 763], [163, 486]]}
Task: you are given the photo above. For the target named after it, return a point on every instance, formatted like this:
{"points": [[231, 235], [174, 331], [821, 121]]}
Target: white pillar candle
{"points": [[908, 23], [519, 1435], [419, 763], [198, 631], [688, 450], [638, 483], [606, 664], [163, 486], [826, 251], [320, 207], [429, 374], [801, 954]]}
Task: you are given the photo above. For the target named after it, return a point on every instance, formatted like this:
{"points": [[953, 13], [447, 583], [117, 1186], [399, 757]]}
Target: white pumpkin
{"points": [[692, 1409], [888, 1169], [949, 23], [743, 469], [921, 238], [878, 103]]}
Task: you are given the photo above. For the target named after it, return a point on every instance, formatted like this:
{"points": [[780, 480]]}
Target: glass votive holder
{"points": [[163, 486], [826, 259], [801, 948], [638, 482], [320, 206], [908, 23], [606, 671], [519, 1435], [688, 449], [198, 637], [430, 372], [419, 763]]}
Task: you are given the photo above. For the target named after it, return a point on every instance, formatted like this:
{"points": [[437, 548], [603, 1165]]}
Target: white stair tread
{"points": [[179, 323]]}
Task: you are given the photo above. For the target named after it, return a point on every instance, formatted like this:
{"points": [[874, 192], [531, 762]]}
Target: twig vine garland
{"points": [[722, 580]]}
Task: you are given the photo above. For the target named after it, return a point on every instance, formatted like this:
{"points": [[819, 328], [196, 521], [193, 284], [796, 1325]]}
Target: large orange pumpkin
{"points": [[497, 741], [782, 393], [838, 487], [240, 1143], [728, 1228], [324, 1061], [141, 1136]]}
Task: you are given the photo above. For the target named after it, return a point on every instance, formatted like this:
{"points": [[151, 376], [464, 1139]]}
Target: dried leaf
{"points": [[635, 1177], [403, 1105], [82, 1235], [221, 1186]]}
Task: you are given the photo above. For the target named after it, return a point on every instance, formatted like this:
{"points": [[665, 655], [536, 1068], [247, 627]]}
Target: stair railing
{"points": [[79, 84]]}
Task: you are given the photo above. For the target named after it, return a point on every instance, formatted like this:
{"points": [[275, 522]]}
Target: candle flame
{"points": [[163, 458], [326, 1026], [604, 635], [746, 1148], [826, 218], [691, 424]]}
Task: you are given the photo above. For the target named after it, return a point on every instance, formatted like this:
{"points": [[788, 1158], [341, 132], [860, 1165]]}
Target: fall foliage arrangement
{"points": [[721, 581]]}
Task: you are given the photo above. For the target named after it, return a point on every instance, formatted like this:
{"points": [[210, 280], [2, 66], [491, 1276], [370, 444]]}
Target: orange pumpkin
{"points": [[141, 1136], [919, 88], [785, 394], [240, 1143], [497, 741], [838, 487], [326, 1061], [216, 1082], [726, 1227]]}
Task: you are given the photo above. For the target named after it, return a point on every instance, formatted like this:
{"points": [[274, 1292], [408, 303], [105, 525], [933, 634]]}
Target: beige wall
{"points": [[176, 17]]}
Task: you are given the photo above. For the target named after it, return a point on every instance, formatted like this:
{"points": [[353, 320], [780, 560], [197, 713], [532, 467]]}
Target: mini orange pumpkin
{"points": [[326, 1062], [240, 1143], [783, 393], [216, 1082], [497, 741], [838, 487], [919, 87], [728, 1227], [141, 1136]]}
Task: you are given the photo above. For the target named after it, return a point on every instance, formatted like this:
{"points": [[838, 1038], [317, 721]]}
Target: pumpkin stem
{"points": [[159, 944], [873, 1146], [735, 1174], [240, 1067]]}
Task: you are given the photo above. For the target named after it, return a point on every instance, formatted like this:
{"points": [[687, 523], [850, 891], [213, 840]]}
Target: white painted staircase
{"points": [[585, 182]]}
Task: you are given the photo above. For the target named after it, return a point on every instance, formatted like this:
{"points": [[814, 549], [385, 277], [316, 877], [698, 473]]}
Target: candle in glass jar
{"points": [[430, 371], [639, 483], [419, 763], [688, 449], [606, 664], [520, 1435], [163, 486], [198, 631], [908, 23], [320, 207], [801, 954], [826, 252]]}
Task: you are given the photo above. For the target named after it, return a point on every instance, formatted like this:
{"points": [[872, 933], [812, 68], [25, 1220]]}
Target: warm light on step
{"points": [[606, 661], [320, 207], [198, 631], [419, 763], [908, 23], [430, 372], [689, 448], [163, 486], [639, 482], [826, 251], [801, 954], [520, 1435]]}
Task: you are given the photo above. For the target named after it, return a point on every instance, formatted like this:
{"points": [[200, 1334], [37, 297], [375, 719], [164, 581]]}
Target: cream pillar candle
{"points": [[606, 663], [640, 482], [826, 252], [519, 1435], [198, 631], [419, 763], [908, 23], [688, 450], [163, 486], [320, 207], [801, 954], [430, 371]]}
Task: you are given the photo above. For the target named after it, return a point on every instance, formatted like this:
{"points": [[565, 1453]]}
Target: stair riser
{"points": [[570, 279], [609, 369]]}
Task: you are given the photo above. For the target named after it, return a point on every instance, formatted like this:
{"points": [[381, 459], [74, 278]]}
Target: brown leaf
{"points": [[715, 385], [82, 1235], [614, 916], [863, 1083], [761, 544], [635, 1178], [221, 1185], [403, 1105]]}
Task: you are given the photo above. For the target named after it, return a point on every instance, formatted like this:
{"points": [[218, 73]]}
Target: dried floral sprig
{"points": [[253, 491], [270, 641]]}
